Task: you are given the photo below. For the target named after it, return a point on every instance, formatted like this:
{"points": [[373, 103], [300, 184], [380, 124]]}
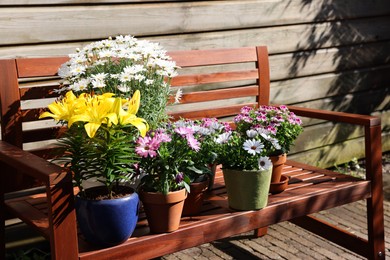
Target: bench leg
{"points": [[2, 221], [62, 220], [260, 232], [375, 218]]}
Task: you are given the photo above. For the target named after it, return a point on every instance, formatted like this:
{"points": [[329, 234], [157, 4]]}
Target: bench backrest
{"points": [[215, 83]]}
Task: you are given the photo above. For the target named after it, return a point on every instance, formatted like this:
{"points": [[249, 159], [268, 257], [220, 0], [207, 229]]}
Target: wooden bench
{"points": [[216, 83]]}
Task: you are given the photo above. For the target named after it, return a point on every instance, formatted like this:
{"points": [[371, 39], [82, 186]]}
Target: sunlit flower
{"points": [[264, 163], [253, 146], [223, 138]]}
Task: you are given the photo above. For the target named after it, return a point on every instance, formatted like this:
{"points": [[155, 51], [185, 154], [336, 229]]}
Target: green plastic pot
{"points": [[247, 190]]}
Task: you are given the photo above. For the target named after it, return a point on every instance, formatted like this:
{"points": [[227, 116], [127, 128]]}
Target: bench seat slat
{"points": [[36, 217]]}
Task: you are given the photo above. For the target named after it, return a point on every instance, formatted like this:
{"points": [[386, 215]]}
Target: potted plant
{"points": [[122, 66], [201, 175], [246, 166], [165, 157], [100, 145], [277, 122]]}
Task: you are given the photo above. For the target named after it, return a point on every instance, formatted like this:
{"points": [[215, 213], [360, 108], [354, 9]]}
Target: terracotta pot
{"points": [[163, 212], [247, 190], [277, 163], [278, 187], [194, 201]]}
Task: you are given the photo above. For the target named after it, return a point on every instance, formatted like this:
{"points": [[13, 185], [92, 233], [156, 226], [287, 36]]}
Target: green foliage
{"points": [[108, 157]]}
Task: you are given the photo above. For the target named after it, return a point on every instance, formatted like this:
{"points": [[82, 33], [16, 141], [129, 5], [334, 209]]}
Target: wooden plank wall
{"points": [[328, 54]]}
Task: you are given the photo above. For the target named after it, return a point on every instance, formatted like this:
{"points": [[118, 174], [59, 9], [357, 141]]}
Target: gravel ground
{"points": [[357, 168]]}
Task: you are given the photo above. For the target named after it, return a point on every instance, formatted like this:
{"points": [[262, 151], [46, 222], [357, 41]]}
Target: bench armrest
{"points": [[57, 217], [32, 165], [372, 138], [356, 119]]}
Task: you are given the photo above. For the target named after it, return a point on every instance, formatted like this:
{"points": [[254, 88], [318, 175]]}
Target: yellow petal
{"points": [[47, 114], [91, 129], [134, 103], [141, 124], [112, 118]]}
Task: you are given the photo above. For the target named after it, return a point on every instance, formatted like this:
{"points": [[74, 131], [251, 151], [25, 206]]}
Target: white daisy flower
{"points": [[253, 146], [251, 133], [264, 163], [223, 138]]}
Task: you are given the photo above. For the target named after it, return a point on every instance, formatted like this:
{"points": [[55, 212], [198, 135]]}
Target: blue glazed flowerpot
{"points": [[107, 222]]}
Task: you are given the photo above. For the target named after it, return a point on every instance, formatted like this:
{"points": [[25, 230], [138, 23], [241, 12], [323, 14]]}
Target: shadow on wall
{"points": [[356, 50], [352, 56]]}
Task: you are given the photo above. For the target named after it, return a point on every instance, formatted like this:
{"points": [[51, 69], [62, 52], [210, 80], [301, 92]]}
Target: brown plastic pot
{"points": [[194, 201], [163, 212]]}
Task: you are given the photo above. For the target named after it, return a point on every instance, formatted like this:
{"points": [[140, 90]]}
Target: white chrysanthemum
{"points": [[179, 94], [149, 82], [83, 84], [123, 88], [125, 77], [106, 53], [99, 76], [98, 83], [264, 163], [114, 76], [139, 77], [80, 59], [134, 69], [99, 62], [64, 71], [253, 146], [77, 69]]}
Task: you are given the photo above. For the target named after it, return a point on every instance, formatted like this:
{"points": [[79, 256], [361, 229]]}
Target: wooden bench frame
{"points": [[311, 189]]}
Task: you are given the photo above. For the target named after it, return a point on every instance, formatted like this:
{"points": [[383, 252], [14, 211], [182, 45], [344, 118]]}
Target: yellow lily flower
{"points": [[97, 111], [129, 117], [61, 110], [134, 103]]}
